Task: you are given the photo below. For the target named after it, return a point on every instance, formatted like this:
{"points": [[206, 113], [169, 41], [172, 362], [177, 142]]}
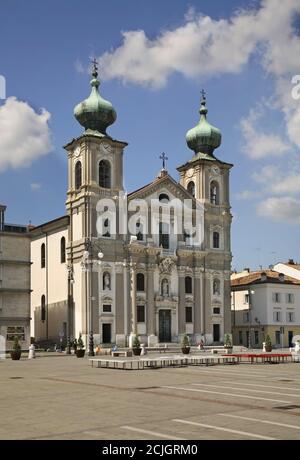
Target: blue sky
{"points": [[244, 61]]}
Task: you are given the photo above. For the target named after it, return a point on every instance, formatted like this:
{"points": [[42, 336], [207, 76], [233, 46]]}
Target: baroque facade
{"points": [[88, 275]]}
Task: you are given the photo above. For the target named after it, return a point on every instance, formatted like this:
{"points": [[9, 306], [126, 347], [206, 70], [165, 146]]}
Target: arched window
{"points": [[106, 281], [164, 235], [104, 174], [63, 250], [78, 175], [188, 285], [106, 230], [140, 282], [43, 255], [139, 231], [191, 188], [216, 287], [216, 240], [214, 193], [43, 308], [163, 198], [165, 287]]}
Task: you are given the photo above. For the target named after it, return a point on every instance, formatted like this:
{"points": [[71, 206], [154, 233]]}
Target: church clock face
{"points": [[106, 147], [77, 151], [190, 172]]}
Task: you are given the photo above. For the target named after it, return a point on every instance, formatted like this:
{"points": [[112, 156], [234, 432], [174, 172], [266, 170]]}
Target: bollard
{"points": [[31, 352]]}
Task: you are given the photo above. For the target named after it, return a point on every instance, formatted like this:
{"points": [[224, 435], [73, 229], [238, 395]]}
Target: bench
{"points": [[126, 353]]}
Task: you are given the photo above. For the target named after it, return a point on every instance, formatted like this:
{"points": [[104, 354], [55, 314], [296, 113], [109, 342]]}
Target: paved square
{"points": [[62, 397]]}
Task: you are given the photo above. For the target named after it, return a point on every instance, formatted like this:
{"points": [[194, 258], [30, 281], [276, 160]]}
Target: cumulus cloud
{"points": [[259, 144], [281, 209], [204, 46], [24, 134], [247, 195], [35, 186]]}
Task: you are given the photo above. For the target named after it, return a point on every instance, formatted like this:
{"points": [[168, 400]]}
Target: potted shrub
{"points": [[136, 346], [16, 351], [80, 351], [268, 344], [185, 345], [228, 344]]}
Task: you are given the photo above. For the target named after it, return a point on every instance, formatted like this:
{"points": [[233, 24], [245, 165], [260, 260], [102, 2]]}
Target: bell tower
{"points": [[207, 179], [95, 161]]}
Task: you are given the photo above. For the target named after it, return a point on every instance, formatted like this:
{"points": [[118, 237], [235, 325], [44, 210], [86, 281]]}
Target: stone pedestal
{"points": [[31, 354], [152, 340], [121, 340], [131, 339]]}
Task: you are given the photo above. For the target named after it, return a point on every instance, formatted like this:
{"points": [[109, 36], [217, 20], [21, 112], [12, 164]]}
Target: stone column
{"points": [[119, 296], [133, 331], [150, 301], [181, 300], [197, 301]]}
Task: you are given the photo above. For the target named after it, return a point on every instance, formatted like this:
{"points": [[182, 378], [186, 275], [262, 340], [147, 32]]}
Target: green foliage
{"points": [[227, 341], [268, 341], [185, 341], [16, 345], [80, 343], [136, 343]]}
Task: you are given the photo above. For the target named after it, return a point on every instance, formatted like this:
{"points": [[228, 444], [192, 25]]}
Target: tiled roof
{"points": [[296, 266], [256, 278]]}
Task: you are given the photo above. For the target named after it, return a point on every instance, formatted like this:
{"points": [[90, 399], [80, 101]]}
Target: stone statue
{"points": [[106, 281], [165, 287], [216, 287]]}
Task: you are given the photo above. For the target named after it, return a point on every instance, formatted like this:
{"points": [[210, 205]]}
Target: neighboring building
{"points": [[161, 285], [289, 268], [14, 282], [264, 302]]}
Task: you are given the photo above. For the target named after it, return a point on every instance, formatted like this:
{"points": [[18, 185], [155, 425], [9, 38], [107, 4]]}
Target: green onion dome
{"points": [[95, 113], [204, 138]]}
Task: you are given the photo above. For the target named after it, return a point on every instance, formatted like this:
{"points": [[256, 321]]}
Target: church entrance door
{"points": [[165, 325], [106, 333]]}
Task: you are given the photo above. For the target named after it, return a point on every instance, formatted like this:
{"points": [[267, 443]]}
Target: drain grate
{"points": [[285, 380], [15, 378], [289, 407]]}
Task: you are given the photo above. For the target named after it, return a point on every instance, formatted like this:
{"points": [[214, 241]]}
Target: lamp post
{"points": [[70, 302], [87, 264]]}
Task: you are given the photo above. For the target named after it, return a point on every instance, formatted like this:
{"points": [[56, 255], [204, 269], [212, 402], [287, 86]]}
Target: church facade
{"points": [[93, 273]]}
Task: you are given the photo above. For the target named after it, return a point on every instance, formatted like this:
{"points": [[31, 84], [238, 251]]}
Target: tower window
{"points": [[43, 256], [188, 314], [106, 231], [140, 282], [104, 174], [139, 231], [43, 308], [63, 250], [188, 285], [216, 240], [214, 193], [78, 175], [140, 317], [191, 188]]}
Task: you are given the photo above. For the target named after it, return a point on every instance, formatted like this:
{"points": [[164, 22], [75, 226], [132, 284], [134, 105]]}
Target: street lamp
{"points": [[70, 301], [87, 264], [250, 314]]}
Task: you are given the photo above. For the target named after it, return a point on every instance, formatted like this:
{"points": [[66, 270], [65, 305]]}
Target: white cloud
{"points": [[24, 134], [283, 209], [35, 186], [258, 144], [203, 46], [279, 181], [247, 195]]}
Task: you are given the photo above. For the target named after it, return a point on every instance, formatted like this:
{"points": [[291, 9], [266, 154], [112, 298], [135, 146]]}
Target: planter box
{"points": [[15, 355], [186, 350], [80, 353]]}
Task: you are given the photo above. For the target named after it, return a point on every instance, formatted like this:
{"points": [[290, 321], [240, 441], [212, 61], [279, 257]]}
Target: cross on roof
{"points": [[203, 93], [164, 158], [95, 64]]}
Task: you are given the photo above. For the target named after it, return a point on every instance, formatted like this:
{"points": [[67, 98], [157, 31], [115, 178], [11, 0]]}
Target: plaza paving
{"points": [[62, 397]]}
